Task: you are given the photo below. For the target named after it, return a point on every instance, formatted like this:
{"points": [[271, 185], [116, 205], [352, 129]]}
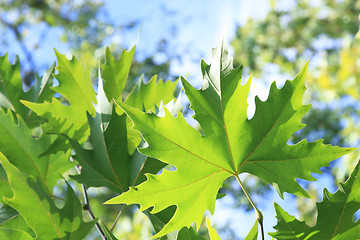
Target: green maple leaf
{"points": [[335, 215], [49, 222], [10, 84], [23, 151], [109, 163], [230, 144], [189, 234], [160, 219], [11, 90], [145, 95], [75, 86], [115, 73]]}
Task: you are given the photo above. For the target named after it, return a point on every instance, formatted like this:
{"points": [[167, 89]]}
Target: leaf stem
{"points": [[117, 217], [87, 205], [258, 214]]}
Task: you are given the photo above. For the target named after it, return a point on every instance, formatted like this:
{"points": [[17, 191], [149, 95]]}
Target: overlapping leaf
{"points": [[5, 189], [12, 224], [109, 163], [115, 73], [159, 220], [75, 86], [230, 144], [11, 90], [335, 215], [10, 84], [145, 95], [23, 151], [49, 222]]}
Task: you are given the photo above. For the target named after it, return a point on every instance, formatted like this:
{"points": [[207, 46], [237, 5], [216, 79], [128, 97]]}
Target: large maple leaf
{"points": [[335, 215], [229, 144]]}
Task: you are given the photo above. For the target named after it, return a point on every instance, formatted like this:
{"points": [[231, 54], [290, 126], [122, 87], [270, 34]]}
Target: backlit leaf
{"points": [[115, 73], [75, 86], [145, 95], [229, 144]]}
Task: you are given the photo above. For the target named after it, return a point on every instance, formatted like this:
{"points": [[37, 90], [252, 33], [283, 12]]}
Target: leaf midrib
{"points": [[222, 112], [201, 158], [108, 157], [99, 173]]}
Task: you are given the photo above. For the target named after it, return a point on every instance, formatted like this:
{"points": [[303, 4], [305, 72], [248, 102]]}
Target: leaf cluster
{"points": [[140, 147]]}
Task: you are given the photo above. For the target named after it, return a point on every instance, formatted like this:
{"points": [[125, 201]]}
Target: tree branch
{"points": [[87, 205]]}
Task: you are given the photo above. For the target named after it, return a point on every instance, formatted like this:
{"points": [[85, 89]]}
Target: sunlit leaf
{"points": [[230, 144]]}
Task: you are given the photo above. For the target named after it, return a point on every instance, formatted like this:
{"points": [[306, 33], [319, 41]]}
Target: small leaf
{"points": [[10, 84], [189, 234], [146, 96], [39, 92], [288, 227]]}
